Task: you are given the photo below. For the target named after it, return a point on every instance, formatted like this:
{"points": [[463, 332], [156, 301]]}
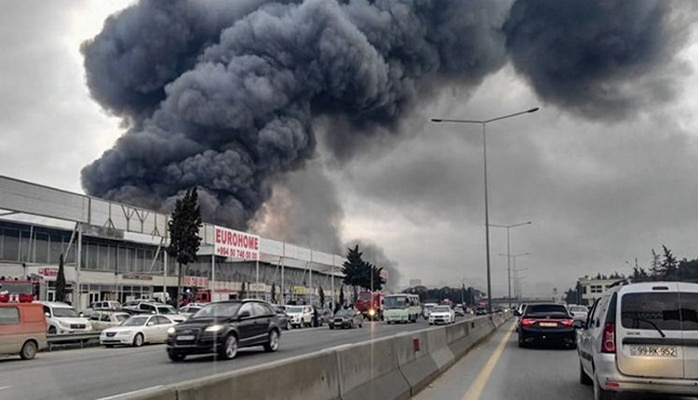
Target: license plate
{"points": [[185, 337], [654, 351], [548, 324]]}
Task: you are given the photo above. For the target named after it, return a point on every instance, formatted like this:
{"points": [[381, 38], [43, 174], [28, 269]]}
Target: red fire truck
{"points": [[16, 291], [370, 304]]}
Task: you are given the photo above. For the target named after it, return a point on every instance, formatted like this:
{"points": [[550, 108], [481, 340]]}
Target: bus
{"points": [[401, 308]]}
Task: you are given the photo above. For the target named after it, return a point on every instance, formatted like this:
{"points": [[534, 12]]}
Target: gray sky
{"points": [[600, 188]]}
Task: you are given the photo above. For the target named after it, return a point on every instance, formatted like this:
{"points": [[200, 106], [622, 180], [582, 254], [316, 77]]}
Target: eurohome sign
{"points": [[236, 244]]}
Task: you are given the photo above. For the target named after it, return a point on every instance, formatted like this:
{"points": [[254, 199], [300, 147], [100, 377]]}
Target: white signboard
{"points": [[236, 244]]}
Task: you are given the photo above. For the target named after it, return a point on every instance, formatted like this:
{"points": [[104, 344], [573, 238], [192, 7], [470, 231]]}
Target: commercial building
{"points": [[592, 288], [115, 251]]}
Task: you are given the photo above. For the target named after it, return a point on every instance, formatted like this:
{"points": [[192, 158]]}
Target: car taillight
{"points": [[527, 322], [608, 340], [567, 322]]}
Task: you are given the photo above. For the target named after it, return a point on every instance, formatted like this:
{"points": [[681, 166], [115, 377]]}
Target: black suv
{"points": [[223, 327]]}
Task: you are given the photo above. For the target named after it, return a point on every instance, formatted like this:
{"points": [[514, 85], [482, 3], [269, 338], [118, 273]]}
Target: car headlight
{"points": [[214, 328], [171, 330], [124, 333], [371, 312]]}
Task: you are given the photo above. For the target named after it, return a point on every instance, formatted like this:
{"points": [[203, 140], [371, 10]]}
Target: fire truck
{"points": [[16, 291], [370, 304]]}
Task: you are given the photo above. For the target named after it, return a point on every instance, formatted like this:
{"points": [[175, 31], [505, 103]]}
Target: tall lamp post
{"points": [[508, 227], [509, 257], [484, 123]]}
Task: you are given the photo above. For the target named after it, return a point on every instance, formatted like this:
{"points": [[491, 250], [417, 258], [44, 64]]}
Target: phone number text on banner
{"points": [[236, 244]]}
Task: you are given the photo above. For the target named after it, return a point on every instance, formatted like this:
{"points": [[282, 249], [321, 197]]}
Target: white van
{"points": [[62, 318]]}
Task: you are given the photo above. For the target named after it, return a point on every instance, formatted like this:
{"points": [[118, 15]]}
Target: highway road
{"points": [[97, 373], [498, 369]]}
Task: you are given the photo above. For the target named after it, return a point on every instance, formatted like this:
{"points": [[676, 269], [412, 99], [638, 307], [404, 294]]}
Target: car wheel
{"points": [[331, 326], [28, 350], [583, 377], [602, 394], [522, 343], [109, 346], [230, 348], [52, 330], [138, 340], [361, 325], [175, 356], [389, 322], [273, 344]]}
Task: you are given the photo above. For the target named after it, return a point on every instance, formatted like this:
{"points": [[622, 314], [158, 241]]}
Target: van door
{"points": [[649, 340], [688, 296]]}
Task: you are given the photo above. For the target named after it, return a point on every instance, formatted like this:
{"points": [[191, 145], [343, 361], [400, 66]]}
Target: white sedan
{"points": [[137, 330], [442, 315]]}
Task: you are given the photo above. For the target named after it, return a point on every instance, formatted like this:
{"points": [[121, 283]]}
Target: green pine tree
{"points": [[60, 281], [184, 234]]}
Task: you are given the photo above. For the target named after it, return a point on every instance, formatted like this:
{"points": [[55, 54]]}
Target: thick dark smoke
{"points": [[601, 59], [224, 94]]}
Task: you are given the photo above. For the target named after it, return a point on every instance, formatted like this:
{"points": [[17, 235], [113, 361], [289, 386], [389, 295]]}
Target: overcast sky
{"points": [[600, 191]]}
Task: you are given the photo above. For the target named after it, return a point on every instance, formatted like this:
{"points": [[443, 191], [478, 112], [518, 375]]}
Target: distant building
{"points": [[592, 288], [415, 282]]}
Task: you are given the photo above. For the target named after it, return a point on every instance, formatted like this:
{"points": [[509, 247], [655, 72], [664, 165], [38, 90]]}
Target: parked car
{"points": [[224, 327], [460, 312], [159, 309], [102, 320], [481, 311], [442, 315], [190, 309], [284, 319], [579, 312], [641, 338], [546, 323], [106, 305], [427, 308], [347, 319], [22, 329], [62, 318], [301, 316], [137, 330]]}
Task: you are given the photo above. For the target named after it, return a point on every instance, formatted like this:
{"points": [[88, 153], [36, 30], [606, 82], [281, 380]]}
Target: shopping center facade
{"points": [[114, 251]]}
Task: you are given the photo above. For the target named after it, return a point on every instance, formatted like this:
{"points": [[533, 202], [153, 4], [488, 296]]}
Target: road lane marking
{"points": [[116, 396], [5, 387], [479, 384]]}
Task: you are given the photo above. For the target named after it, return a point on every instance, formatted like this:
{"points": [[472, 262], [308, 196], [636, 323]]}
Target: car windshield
{"points": [[135, 321], [294, 309], [578, 309], [344, 313], [60, 312], [440, 309], [395, 302], [215, 310], [121, 317], [166, 310]]}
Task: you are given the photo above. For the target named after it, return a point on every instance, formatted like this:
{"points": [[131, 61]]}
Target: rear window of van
{"points": [[667, 311]]}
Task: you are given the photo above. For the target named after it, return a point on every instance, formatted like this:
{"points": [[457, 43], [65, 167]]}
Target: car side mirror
{"points": [[517, 313], [47, 315], [244, 314], [81, 315]]}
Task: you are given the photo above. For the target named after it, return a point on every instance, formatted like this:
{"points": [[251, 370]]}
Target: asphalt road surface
{"points": [[96, 373], [498, 369]]}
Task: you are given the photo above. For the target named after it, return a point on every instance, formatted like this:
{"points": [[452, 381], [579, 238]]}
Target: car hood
{"points": [[122, 328], [69, 320], [440, 314], [200, 322]]}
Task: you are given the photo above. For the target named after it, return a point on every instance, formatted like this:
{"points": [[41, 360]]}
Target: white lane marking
{"points": [[5, 387], [116, 396]]}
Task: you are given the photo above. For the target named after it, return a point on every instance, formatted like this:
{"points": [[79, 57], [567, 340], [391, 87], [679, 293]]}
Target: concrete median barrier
{"points": [[307, 377], [391, 368]]}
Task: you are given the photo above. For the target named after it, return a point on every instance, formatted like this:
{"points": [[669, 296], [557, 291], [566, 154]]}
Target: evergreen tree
{"points": [[243, 291], [60, 281], [354, 267], [341, 299], [273, 292], [184, 234], [321, 294]]}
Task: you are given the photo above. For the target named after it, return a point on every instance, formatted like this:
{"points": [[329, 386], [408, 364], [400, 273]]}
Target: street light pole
{"points": [[487, 214], [508, 227]]}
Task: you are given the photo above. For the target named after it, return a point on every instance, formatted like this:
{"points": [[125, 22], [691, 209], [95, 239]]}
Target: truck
{"points": [[370, 304]]}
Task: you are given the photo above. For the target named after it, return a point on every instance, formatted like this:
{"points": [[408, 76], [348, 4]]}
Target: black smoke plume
{"points": [[223, 94]]}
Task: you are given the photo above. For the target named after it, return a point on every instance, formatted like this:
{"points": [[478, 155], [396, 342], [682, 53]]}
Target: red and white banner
{"points": [[48, 271], [236, 244], [195, 281]]}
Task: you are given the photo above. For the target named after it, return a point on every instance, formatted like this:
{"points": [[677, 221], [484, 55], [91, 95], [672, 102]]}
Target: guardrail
{"points": [[81, 340]]}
